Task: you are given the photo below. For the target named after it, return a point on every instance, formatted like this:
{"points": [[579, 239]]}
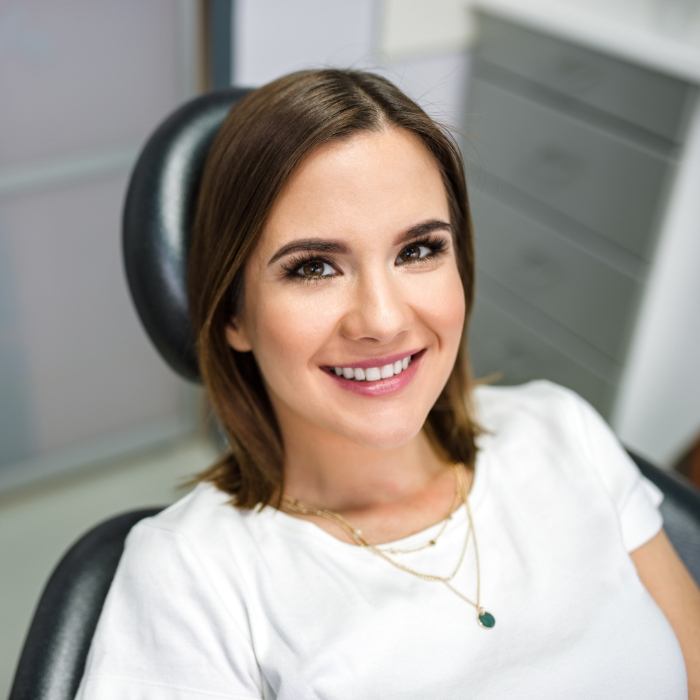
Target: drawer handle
{"points": [[552, 166]]}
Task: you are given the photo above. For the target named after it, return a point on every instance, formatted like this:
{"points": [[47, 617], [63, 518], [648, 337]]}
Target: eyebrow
{"points": [[325, 245]]}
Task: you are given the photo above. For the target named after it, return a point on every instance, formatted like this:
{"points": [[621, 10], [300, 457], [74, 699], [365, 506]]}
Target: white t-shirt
{"points": [[212, 602]]}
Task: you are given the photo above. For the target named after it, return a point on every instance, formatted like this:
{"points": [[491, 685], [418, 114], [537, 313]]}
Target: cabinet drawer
{"points": [[644, 97], [609, 185], [566, 282], [499, 342]]}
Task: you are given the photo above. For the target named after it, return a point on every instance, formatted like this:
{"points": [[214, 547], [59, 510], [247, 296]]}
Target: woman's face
{"points": [[355, 270]]}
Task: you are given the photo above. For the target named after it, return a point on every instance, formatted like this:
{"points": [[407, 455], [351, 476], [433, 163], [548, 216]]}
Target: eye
{"points": [[315, 268], [422, 251], [309, 269], [415, 252]]}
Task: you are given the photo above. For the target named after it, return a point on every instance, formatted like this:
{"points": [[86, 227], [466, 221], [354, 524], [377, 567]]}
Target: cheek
{"points": [[440, 301], [289, 329]]}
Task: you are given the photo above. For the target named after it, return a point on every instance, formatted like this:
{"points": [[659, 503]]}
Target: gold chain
{"points": [[298, 507], [433, 540], [484, 618]]}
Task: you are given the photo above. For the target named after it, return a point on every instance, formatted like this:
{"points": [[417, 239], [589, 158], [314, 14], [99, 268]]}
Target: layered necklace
{"points": [[484, 618]]}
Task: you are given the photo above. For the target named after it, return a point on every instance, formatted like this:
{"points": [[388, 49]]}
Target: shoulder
{"points": [[172, 619], [201, 515], [545, 429], [532, 434], [178, 568], [533, 411], [202, 533], [179, 539], [541, 416]]}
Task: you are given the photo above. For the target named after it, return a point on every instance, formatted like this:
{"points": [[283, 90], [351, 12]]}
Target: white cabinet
{"points": [[573, 156]]}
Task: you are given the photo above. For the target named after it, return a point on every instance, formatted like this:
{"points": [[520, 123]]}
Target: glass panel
{"points": [[81, 366], [79, 75]]}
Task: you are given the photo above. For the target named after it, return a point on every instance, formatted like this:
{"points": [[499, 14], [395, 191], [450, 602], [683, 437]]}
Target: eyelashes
{"points": [[317, 267]]}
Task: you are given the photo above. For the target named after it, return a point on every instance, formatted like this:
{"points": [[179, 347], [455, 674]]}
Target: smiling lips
{"points": [[387, 377], [372, 374], [363, 372]]}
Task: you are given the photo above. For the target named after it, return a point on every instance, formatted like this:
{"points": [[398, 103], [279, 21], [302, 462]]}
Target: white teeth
{"points": [[372, 374]]}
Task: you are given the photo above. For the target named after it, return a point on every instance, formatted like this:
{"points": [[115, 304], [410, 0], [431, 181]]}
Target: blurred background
{"points": [[580, 123]]}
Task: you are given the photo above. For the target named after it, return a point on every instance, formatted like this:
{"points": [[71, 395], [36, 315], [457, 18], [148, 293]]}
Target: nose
{"points": [[378, 309]]}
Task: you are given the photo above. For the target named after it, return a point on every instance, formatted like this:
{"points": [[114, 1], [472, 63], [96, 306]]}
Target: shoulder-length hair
{"points": [[261, 142]]}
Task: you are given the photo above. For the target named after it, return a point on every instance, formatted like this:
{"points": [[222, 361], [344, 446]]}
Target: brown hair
{"points": [[263, 139]]}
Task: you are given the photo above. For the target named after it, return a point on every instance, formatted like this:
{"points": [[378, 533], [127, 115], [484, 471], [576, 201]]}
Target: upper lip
{"points": [[378, 361]]}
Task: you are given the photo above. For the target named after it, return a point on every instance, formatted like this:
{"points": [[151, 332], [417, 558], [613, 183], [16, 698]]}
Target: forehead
{"points": [[372, 183]]}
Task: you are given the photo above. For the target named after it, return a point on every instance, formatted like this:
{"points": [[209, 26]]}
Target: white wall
{"points": [[404, 40]]}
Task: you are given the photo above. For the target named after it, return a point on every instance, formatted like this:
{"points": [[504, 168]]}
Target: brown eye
{"points": [[415, 252], [314, 269], [422, 251]]}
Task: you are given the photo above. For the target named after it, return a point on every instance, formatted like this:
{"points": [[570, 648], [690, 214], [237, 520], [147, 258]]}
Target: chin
{"points": [[386, 436]]}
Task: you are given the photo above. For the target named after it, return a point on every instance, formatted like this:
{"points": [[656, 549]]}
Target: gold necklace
{"points": [[484, 618], [433, 540], [298, 507]]}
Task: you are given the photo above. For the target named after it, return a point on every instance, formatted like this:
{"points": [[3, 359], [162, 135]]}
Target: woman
{"points": [[379, 528]]}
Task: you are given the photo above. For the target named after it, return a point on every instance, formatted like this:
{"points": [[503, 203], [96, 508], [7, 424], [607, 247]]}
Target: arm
{"points": [[641, 528], [669, 583]]}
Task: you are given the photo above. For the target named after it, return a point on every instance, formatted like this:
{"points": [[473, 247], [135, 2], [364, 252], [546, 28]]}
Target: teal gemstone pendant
{"points": [[486, 619]]}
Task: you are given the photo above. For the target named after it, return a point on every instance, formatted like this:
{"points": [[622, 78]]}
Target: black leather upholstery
{"points": [[55, 649], [158, 214]]}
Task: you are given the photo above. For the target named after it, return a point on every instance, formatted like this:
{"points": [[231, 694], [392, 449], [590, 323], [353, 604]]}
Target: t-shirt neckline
{"points": [[306, 528]]}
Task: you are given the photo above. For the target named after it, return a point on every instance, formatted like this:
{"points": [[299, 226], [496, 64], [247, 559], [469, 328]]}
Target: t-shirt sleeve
{"points": [[164, 632], [636, 498]]}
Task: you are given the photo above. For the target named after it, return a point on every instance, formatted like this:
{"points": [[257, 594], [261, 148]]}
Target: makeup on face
{"points": [[297, 255], [377, 377], [354, 306]]}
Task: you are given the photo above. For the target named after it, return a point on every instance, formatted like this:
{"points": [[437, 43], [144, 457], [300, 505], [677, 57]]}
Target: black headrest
{"points": [[158, 215]]}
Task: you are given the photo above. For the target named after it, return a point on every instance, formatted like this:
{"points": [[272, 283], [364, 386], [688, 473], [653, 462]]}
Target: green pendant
{"points": [[486, 619]]}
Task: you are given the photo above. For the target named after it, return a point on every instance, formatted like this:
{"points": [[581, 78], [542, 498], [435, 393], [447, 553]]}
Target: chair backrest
{"points": [[157, 220], [55, 649]]}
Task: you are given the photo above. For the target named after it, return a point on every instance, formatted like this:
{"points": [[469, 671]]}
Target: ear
{"points": [[236, 336]]}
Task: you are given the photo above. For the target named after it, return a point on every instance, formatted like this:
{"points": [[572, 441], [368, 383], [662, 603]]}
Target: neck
{"points": [[332, 472]]}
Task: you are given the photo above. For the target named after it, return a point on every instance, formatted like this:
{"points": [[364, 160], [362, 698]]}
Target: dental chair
{"points": [[158, 214]]}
